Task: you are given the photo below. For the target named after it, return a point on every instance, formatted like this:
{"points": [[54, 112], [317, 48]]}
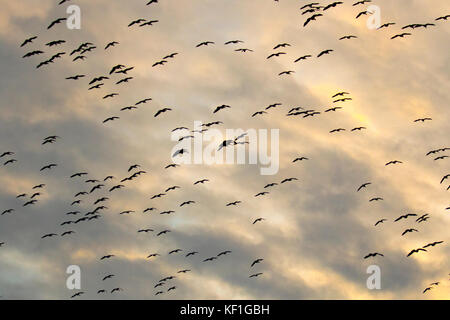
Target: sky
{"points": [[317, 229]]}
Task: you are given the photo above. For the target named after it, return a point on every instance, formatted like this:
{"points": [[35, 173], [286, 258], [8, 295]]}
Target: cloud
{"points": [[316, 230]]}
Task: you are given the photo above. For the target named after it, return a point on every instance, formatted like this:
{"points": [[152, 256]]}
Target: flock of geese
{"points": [[99, 192]]}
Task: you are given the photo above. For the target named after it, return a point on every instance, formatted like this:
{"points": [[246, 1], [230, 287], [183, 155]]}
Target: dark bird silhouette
{"points": [[210, 259], [7, 211], [163, 232], [206, 43], [111, 95], [288, 180], [415, 251], [49, 167], [221, 108], [283, 73], [110, 119], [258, 113], [8, 153], [49, 235], [328, 51], [424, 218], [159, 63], [32, 53], [184, 271], [187, 203], [243, 50], [77, 295], [57, 21], [162, 111], [303, 58], [409, 230], [281, 45], [148, 23], [333, 109], [374, 254], [277, 54], [443, 17], [191, 254], [109, 256], [273, 105], [233, 42], [76, 77], [380, 221], [340, 94], [30, 203], [393, 162], [348, 37], [78, 174], [111, 44], [124, 80], [256, 275], [364, 185], [170, 56], [342, 100], [143, 101], [138, 21], [256, 262], [97, 187], [27, 41], [432, 244], [79, 58], [386, 25], [401, 35], [312, 18], [332, 5], [427, 289], [98, 79], [9, 162], [179, 152], [300, 159], [405, 216], [258, 220], [423, 120], [445, 178]]}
